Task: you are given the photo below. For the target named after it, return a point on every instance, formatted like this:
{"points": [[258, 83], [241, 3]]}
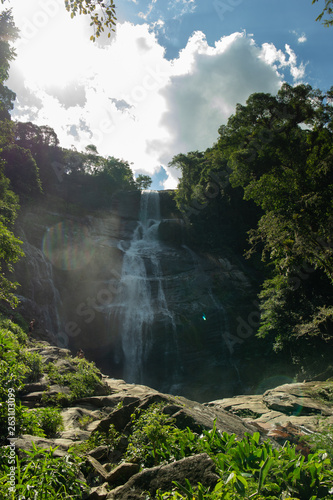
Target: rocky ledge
{"points": [[294, 408], [300, 408]]}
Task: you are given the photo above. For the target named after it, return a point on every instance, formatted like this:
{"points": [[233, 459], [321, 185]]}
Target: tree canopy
{"points": [[278, 150], [143, 181]]}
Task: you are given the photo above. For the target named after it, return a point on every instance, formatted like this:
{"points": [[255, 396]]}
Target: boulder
{"points": [[302, 404], [301, 399], [98, 493], [185, 413], [98, 469], [122, 473], [197, 468], [25, 443], [99, 453]]}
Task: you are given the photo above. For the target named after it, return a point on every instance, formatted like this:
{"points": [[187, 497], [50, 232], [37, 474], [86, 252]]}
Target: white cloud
{"points": [[213, 81], [181, 7], [125, 96], [278, 60], [300, 38]]}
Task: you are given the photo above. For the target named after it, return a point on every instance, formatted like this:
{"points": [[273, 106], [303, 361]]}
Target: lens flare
{"points": [[68, 245]]}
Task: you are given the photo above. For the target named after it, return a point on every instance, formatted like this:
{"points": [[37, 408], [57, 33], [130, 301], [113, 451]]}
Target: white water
{"points": [[141, 297]]}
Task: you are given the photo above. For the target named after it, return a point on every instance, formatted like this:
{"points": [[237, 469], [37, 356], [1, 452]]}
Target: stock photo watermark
{"points": [[224, 7], [39, 19], [11, 436]]}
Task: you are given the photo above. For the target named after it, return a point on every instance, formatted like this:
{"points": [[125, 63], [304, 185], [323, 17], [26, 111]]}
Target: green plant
{"points": [[85, 421], [34, 364], [322, 440], [17, 365], [83, 381], [49, 420], [40, 474], [253, 470], [110, 438], [60, 399], [155, 438]]}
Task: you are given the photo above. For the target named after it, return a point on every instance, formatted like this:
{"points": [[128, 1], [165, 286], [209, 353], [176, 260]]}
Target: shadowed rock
{"points": [[198, 468]]}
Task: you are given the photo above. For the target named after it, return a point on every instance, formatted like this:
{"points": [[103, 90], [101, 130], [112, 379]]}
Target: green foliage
{"points": [[83, 381], [322, 440], [10, 252], [111, 438], [275, 152], [250, 469], [155, 439], [43, 422], [102, 14], [47, 420], [8, 34], [143, 182], [40, 474], [22, 171], [17, 367], [85, 421], [327, 10]]}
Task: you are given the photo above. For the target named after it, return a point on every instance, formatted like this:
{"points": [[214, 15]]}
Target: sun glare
{"points": [[49, 56]]}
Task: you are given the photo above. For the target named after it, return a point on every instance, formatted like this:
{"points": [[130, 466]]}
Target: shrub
{"points": [[84, 381], [34, 364], [46, 421], [155, 438], [42, 475], [322, 441]]}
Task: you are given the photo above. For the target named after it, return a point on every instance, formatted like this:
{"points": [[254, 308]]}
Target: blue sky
{"points": [[168, 78]]}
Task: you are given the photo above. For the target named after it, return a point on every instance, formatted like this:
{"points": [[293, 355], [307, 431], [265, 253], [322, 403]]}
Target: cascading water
{"points": [[141, 297]]}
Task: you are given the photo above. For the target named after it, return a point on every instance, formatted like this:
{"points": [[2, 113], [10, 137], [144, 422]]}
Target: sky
{"points": [[167, 79]]}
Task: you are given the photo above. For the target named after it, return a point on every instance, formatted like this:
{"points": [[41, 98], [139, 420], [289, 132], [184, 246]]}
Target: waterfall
{"points": [[141, 297]]}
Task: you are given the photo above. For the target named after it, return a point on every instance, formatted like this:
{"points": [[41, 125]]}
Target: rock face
{"points": [[198, 468], [123, 286], [306, 405]]}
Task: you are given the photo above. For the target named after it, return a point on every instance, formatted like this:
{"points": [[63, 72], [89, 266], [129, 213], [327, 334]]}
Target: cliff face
{"points": [[124, 286]]}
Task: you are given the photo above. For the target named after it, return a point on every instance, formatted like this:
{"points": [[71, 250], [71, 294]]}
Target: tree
{"points": [[8, 34], [10, 246], [22, 171], [280, 150], [192, 166], [143, 181], [10, 252], [42, 154], [327, 10]]}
